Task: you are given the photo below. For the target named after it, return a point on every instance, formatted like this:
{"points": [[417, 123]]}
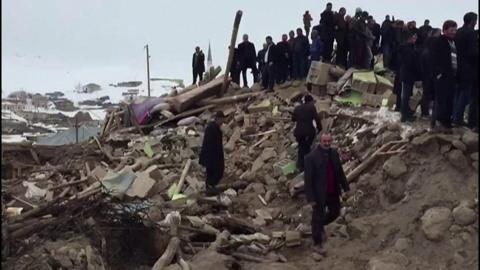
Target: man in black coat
{"points": [[473, 107], [423, 33], [327, 34], [444, 55], [324, 180], [247, 55], [303, 116], [386, 31], [427, 71], [301, 50], [271, 62], [211, 155], [467, 52], [409, 73], [261, 59], [284, 55], [236, 67], [341, 30], [198, 65], [375, 29]]}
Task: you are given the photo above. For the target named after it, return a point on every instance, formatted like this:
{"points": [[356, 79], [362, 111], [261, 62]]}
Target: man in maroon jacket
{"points": [[324, 182]]}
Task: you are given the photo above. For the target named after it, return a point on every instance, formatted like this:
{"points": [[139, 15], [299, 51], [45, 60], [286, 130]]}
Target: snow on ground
{"points": [[13, 138], [7, 114]]}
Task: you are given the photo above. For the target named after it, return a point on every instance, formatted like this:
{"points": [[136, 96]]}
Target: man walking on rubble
{"points": [[324, 180], [303, 116], [247, 55], [211, 155], [198, 65]]}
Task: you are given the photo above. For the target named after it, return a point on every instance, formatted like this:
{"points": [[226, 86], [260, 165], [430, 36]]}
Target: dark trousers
{"points": [[320, 218], [198, 74], [407, 89], [214, 175], [327, 50], [387, 55], [473, 107], [299, 67], [282, 72], [244, 74], [397, 90], [307, 30], [427, 95], [461, 100], [341, 59], [268, 76], [304, 146], [235, 75], [444, 95]]}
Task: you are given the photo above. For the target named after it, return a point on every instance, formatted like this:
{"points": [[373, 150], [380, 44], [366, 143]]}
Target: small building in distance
{"points": [[13, 105], [91, 87], [64, 104]]}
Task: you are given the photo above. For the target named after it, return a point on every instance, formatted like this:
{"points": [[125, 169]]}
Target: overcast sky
{"points": [[54, 44]]}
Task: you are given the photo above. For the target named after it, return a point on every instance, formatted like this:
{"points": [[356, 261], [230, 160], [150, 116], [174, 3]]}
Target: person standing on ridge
{"points": [[307, 22], [247, 54], [327, 33], [198, 65]]}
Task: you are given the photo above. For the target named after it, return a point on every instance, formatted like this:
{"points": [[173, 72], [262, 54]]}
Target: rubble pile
{"points": [[134, 198]]}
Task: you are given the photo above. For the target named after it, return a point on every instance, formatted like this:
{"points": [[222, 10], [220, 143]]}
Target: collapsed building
{"points": [[133, 197]]}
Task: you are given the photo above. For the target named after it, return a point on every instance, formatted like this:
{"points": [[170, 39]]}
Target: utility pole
{"points": [[76, 128], [148, 70]]}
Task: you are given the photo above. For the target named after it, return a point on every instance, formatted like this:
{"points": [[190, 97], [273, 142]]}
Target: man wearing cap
{"points": [[211, 155]]}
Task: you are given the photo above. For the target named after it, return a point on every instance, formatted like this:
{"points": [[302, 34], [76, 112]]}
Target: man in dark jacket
{"points": [[387, 41], [307, 22], [301, 49], [427, 71], [261, 59], [284, 56], [304, 132], [198, 65], [409, 73], [291, 41], [467, 52], [324, 180], [423, 33], [247, 55], [327, 33], [341, 30], [316, 48], [236, 67], [473, 107], [211, 155], [444, 55], [375, 29], [271, 62]]}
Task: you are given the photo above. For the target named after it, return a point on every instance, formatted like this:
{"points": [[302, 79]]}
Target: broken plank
{"points": [[184, 101], [184, 114]]}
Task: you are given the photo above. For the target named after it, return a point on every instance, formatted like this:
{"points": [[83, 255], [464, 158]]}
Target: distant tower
{"points": [[209, 56]]}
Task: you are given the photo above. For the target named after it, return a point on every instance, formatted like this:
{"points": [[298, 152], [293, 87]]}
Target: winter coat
{"points": [[211, 155]]}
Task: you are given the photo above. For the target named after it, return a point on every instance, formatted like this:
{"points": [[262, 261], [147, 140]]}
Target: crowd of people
{"points": [[444, 61]]}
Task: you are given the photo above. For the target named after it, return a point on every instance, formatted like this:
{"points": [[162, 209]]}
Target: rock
{"points": [[395, 167], [475, 165], [458, 258], [359, 228], [474, 156], [257, 188], [458, 159], [208, 259], [394, 127], [470, 139], [262, 121], [464, 215], [402, 244], [317, 257], [456, 242], [390, 261], [395, 191], [435, 222], [455, 228], [445, 148], [459, 145]]}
